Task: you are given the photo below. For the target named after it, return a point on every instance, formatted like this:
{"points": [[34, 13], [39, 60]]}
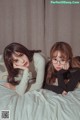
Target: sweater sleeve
{"points": [[21, 88], [39, 64], [54, 88]]}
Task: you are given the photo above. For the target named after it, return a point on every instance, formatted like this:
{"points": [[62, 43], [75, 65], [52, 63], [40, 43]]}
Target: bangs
{"points": [[63, 55], [16, 54], [64, 49]]}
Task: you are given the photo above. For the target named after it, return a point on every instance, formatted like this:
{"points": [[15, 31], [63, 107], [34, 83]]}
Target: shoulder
{"points": [[38, 59], [38, 56]]}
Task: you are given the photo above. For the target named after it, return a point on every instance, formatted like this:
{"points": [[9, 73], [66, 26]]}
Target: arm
{"points": [[74, 79], [21, 88], [39, 63], [58, 88], [62, 75], [54, 88]]}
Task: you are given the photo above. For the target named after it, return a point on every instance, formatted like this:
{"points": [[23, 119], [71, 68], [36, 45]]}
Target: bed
{"points": [[38, 104]]}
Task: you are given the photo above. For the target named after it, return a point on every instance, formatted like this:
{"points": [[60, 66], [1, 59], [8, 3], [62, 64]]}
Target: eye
{"points": [[63, 60], [15, 61], [54, 59], [21, 54]]}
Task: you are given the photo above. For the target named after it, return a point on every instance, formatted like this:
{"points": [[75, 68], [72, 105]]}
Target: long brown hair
{"points": [[8, 59], [76, 62], [66, 53]]}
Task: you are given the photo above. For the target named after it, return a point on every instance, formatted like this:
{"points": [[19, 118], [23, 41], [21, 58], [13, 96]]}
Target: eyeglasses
{"points": [[55, 61]]}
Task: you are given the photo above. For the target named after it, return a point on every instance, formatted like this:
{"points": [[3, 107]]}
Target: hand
{"points": [[66, 66], [9, 85], [64, 93], [20, 67]]}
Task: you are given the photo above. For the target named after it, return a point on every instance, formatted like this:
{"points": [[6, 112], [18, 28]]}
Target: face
{"points": [[57, 61], [20, 60]]}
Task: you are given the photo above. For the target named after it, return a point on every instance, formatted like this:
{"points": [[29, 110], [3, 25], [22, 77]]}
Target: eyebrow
{"points": [[61, 58], [58, 57]]}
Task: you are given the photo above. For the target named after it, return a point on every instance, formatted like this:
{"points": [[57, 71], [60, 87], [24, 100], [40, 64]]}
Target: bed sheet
{"points": [[40, 105]]}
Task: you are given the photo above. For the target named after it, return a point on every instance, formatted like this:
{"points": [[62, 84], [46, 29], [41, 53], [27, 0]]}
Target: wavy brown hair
{"points": [[66, 53], [76, 62], [8, 59]]}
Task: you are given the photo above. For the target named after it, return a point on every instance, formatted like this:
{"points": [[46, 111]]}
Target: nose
{"points": [[58, 62]]}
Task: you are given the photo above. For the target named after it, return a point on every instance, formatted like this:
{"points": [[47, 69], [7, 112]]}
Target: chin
{"points": [[58, 69]]}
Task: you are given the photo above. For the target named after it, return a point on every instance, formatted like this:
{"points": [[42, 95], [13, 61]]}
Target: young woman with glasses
{"points": [[60, 76]]}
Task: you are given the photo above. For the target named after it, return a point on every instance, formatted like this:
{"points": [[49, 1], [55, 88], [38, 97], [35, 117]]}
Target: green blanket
{"points": [[40, 105]]}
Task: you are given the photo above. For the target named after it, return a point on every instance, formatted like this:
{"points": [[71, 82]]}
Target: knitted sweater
{"points": [[39, 66]]}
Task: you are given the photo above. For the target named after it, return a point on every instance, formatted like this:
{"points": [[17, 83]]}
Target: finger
{"points": [[16, 66], [66, 66]]}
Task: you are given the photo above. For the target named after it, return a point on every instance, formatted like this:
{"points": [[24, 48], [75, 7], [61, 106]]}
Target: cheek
{"points": [[54, 65], [57, 67], [27, 60]]}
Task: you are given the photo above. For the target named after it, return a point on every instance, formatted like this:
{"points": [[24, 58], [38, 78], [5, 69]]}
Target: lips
{"points": [[58, 68]]}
